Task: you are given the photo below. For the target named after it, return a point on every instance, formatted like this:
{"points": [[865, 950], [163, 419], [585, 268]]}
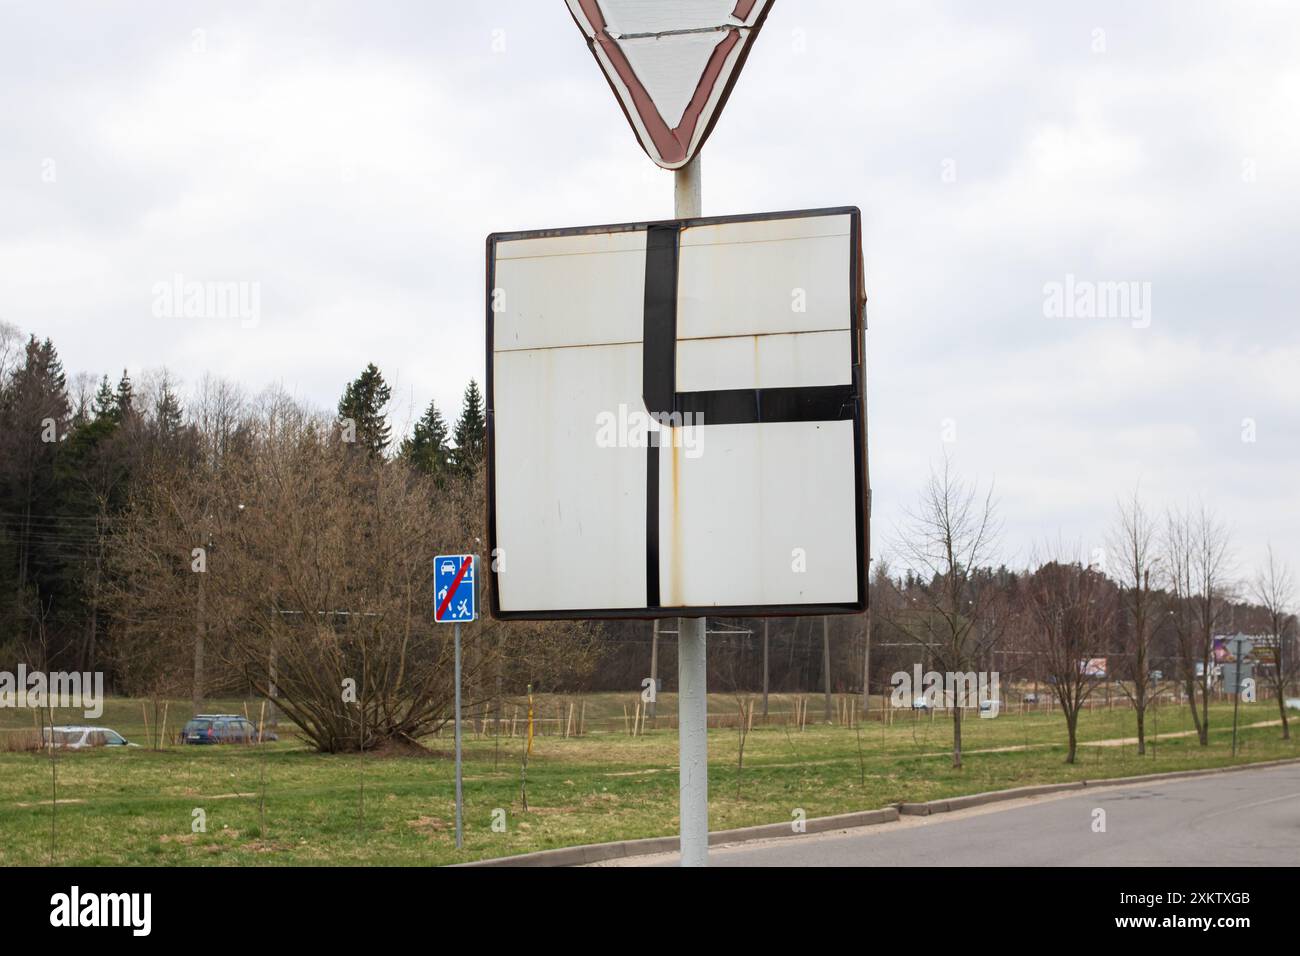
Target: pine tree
{"points": [[168, 414], [471, 433], [365, 404], [33, 423], [427, 448], [103, 404], [124, 400]]}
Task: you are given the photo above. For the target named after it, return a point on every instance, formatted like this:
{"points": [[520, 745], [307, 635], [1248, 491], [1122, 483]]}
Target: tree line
{"points": [[228, 543], [233, 543]]}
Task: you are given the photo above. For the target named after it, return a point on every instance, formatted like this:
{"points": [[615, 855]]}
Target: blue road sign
{"points": [[454, 588]]}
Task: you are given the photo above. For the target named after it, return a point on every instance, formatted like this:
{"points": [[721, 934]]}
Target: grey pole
{"points": [[654, 669], [692, 674], [764, 667], [687, 203], [826, 664], [459, 796], [693, 741], [1236, 694]]}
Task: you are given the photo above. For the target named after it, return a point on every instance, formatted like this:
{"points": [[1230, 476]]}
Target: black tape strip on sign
{"points": [[816, 403]]}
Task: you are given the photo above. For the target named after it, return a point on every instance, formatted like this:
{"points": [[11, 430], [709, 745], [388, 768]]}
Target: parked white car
{"points": [[80, 737]]}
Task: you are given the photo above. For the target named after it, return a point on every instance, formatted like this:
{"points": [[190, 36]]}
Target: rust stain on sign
{"points": [[675, 595]]}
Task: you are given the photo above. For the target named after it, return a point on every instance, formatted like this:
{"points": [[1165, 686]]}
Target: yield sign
{"points": [[671, 64]]}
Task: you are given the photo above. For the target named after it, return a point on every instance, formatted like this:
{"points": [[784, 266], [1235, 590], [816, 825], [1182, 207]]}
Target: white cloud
{"points": [[352, 162]]}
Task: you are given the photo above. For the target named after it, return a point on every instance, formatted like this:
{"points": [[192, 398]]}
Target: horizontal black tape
{"points": [[748, 406]]}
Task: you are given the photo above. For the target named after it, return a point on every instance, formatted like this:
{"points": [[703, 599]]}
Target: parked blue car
{"points": [[222, 729]]}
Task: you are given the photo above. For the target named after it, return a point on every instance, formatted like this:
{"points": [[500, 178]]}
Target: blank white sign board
{"points": [[676, 423]]}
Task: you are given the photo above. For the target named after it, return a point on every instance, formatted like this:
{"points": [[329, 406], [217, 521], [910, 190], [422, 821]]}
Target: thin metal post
{"points": [[826, 664], [654, 669], [765, 667], [692, 661], [1236, 693], [460, 804]]}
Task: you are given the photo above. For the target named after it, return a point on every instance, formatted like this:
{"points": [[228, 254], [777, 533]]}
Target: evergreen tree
{"points": [[103, 404], [365, 404], [169, 417], [33, 421], [427, 447], [124, 400], [471, 433]]}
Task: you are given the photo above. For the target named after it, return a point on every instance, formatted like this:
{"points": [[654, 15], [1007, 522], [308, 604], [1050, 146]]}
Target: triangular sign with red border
{"points": [[671, 64]]}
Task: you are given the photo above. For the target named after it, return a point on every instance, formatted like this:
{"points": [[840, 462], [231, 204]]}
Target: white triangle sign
{"points": [[671, 63]]}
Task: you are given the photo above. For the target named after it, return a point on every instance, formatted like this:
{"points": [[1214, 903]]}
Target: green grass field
{"points": [[284, 804]]}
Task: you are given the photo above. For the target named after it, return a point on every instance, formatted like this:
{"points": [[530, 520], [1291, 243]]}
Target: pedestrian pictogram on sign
{"points": [[454, 588]]}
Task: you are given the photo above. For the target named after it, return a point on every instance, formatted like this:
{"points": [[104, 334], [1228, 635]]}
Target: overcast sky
{"points": [[350, 158]]}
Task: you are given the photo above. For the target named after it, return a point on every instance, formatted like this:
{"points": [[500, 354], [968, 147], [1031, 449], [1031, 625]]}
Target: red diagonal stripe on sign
{"points": [[442, 609]]}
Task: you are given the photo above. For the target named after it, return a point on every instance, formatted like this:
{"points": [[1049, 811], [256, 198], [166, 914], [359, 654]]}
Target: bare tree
{"points": [[1274, 589], [1133, 543], [317, 585], [1197, 563], [946, 540], [1069, 615], [11, 341]]}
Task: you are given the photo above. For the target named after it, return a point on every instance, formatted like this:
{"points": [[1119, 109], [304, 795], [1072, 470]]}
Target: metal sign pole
{"points": [[1236, 693], [692, 672], [459, 795]]}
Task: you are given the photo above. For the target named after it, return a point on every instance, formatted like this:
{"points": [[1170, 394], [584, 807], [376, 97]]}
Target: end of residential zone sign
{"points": [[676, 418]]}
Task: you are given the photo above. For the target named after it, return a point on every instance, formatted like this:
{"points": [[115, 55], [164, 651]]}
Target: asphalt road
{"points": [[1251, 817]]}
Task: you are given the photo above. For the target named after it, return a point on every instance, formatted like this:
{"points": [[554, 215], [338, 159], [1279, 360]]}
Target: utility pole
{"points": [[1236, 691], [826, 663], [765, 667], [866, 663], [200, 627], [654, 667], [200, 621], [692, 661]]}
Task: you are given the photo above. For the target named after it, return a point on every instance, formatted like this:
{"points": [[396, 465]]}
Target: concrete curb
{"points": [[997, 796], [978, 799], [596, 852]]}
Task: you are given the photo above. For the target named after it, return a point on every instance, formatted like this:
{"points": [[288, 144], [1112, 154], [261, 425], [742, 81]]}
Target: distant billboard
{"points": [[1265, 653], [1093, 667]]}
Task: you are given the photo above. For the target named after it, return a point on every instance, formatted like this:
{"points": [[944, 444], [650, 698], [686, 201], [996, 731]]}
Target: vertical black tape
{"points": [[658, 373]]}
